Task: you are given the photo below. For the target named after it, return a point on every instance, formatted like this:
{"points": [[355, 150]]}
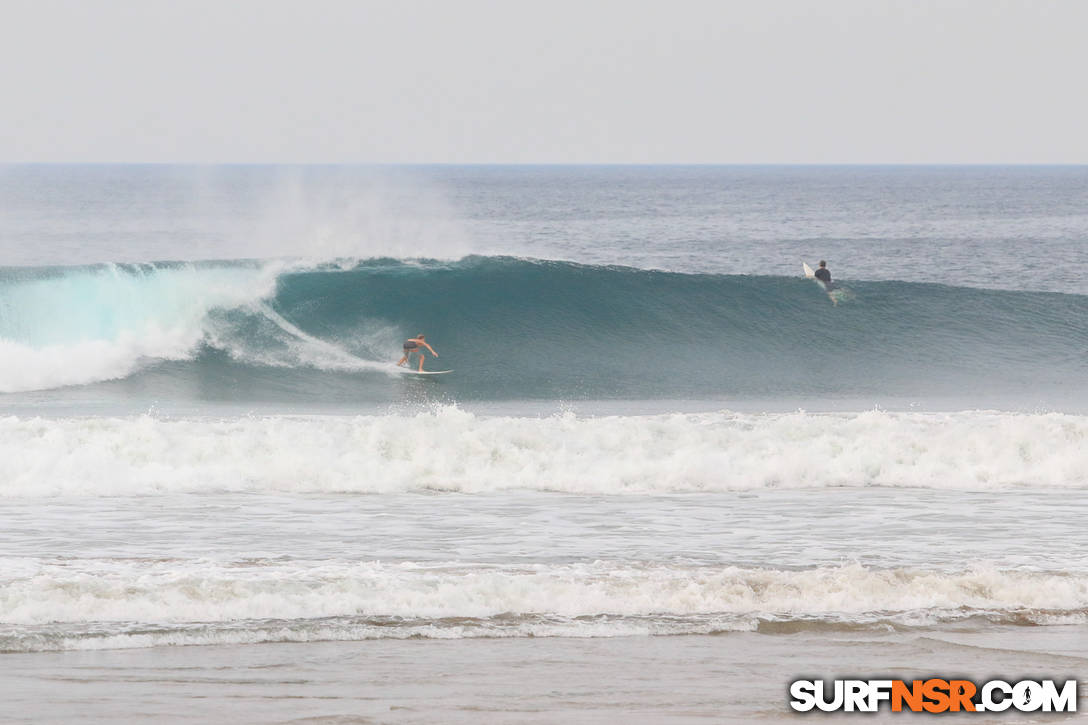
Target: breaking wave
{"points": [[523, 329], [450, 449]]}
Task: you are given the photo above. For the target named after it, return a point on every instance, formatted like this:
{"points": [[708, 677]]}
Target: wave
{"points": [[86, 604], [449, 449], [79, 325], [523, 329]]}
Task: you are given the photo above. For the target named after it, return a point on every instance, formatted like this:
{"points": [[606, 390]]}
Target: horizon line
{"points": [[834, 164]]}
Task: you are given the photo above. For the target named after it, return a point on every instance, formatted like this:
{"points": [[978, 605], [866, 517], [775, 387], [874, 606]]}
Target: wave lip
{"points": [[101, 603], [449, 449]]}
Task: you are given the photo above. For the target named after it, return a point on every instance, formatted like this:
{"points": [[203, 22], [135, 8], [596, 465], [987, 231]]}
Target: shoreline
{"points": [[738, 677]]}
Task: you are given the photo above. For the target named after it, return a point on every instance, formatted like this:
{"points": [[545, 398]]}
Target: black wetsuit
{"points": [[824, 275]]}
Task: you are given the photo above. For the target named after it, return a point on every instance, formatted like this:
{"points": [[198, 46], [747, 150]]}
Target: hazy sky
{"points": [[465, 81]]}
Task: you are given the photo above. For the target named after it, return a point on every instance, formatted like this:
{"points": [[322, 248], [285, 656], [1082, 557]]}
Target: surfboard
{"points": [[424, 372], [833, 294]]}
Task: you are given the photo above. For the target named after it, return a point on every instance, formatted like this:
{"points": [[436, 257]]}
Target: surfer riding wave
{"points": [[415, 345]]}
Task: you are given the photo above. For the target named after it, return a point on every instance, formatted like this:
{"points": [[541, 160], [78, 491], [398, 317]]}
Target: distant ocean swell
{"points": [[517, 329], [449, 449], [91, 604]]}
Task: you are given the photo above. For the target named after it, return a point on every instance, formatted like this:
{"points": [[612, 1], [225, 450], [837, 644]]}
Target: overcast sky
{"points": [[465, 81]]}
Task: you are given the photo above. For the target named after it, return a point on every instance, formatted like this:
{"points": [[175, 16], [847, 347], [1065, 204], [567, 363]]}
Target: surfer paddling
{"points": [[416, 345], [823, 276]]}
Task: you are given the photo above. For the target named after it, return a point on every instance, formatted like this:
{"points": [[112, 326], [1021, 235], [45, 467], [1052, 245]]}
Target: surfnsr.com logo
{"points": [[933, 695]]}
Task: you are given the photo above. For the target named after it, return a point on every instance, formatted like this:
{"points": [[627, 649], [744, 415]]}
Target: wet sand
{"points": [[739, 677]]}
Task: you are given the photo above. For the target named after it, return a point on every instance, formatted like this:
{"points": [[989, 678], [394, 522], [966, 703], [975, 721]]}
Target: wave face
{"points": [[452, 450], [524, 329]]}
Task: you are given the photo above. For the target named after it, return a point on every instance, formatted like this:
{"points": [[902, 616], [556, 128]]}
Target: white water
{"points": [[187, 591], [102, 323], [89, 324], [452, 450], [436, 598]]}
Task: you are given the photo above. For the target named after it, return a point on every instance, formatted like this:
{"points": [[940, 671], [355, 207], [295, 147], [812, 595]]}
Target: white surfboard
{"points": [[834, 294], [424, 372]]}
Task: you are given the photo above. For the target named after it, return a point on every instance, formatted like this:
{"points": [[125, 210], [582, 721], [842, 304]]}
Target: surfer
{"points": [[416, 345], [823, 275]]}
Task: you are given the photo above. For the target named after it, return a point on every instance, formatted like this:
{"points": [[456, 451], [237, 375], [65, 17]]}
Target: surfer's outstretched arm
{"points": [[430, 348]]}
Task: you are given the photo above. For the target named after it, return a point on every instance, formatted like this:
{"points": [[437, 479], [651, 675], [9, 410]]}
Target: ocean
{"points": [[667, 476]]}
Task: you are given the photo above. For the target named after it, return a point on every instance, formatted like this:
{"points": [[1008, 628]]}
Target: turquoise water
{"points": [[322, 335]]}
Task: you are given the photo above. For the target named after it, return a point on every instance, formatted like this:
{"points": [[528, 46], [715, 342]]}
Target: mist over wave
{"points": [[453, 450], [523, 329]]}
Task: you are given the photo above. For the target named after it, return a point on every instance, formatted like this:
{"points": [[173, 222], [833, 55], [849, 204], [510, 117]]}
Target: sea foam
{"points": [[449, 449], [91, 603]]}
